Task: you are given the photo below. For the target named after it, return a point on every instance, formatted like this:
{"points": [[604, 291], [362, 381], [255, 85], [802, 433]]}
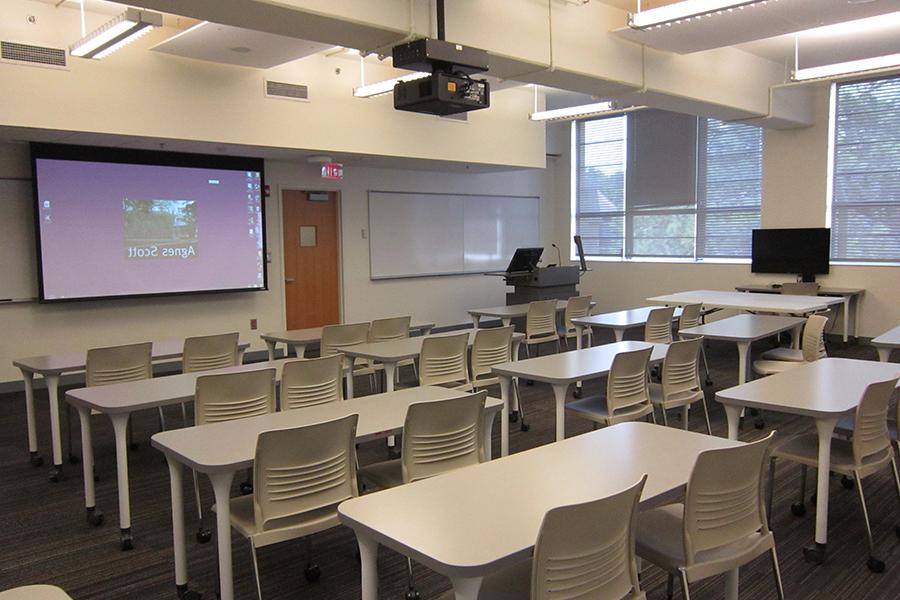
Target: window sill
{"points": [[864, 264], [665, 260]]}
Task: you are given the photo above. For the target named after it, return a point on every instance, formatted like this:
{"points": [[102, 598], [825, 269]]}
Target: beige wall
{"points": [[795, 166]]}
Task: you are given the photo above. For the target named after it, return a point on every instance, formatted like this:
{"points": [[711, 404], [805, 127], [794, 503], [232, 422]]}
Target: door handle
{"points": [[289, 280]]}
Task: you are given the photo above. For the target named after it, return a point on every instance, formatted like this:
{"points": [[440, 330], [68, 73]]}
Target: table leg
{"points": [[559, 392], [505, 387], [476, 321], [221, 482], [620, 334], [94, 516], [743, 361], [884, 355], [515, 356], [299, 350], [733, 414], [796, 334], [28, 378], [178, 546], [487, 428], [732, 579], [368, 558], [240, 356], [120, 427], [579, 331], [846, 304], [270, 347], [348, 368], [816, 552], [56, 472], [390, 370], [466, 588], [507, 321]]}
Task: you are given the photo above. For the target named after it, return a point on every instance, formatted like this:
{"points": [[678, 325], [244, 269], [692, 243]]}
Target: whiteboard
{"points": [[420, 234], [18, 274]]}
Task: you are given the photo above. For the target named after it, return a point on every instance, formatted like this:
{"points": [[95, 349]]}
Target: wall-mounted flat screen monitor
{"points": [[804, 252], [117, 223]]}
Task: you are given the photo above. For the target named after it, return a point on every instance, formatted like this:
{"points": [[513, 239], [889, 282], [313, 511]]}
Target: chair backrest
{"points": [[335, 337], [311, 381], [870, 429], [680, 372], [442, 360], [626, 385], [491, 347], [587, 550], [303, 469], [230, 396], [392, 328], [800, 288], [659, 325], [724, 501], [813, 344], [540, 320], [118, 364], [206, 352], [442, 435], [576, 307], [690, 316]]}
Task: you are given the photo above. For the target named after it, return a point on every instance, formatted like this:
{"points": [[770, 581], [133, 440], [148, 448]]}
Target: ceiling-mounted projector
{"points": [[450, 89]]}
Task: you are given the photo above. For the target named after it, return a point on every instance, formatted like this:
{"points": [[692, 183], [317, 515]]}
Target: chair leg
{"points": [[896, 487], [799, 509], [771, 491], [873, 563], [162, 419], [670, 587], [203, 533], [685, 415], [685, 588], [653, 415], [665, 418], [411, 593], [184, 421], [523, 424], [255, 569], [706, 415], [312, 571], [705, 365], [779, 588]]}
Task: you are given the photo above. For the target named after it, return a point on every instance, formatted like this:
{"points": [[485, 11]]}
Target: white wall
{"points": [[794, 195]]}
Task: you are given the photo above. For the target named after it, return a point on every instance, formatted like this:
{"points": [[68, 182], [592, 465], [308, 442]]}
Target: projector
{"points": [[442, 94], [449, 90]]}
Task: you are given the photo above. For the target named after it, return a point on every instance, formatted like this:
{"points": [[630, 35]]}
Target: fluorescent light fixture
{"points": [[386, 86], [115, 34], [845, 68], [583, 110], [685, 11]]}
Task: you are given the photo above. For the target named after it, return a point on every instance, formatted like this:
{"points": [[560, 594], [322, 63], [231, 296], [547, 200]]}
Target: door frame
{"points": [[340, 246]]}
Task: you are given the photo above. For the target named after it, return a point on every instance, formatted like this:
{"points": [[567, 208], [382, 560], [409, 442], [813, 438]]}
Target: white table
{"points": [[850, 296], [222, 449], [51, 367], [618, 321], [825, 390], [118, 401], [298, 339], [560, 371], [743, 330], [473, 521], [886, 342], [507, 313]]}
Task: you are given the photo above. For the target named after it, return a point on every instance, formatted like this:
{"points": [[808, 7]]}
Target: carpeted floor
{"points": [[45, 537]]}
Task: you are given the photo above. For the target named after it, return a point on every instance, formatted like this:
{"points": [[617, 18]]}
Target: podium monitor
{"points": [[525, 259]]}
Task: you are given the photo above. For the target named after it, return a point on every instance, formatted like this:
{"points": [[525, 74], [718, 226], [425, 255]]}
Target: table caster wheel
{"points": [[412, 594], [577, 393], [312, 572], [56, 473], [513, 416], [74, 459], [246, 488], [126, 539], [815, 553], [524, 426], [875, 565], [203, 535], [798, 509], [393, 453], [94, 517], [847, 482], [36, 459], [185, 594], [759, 424]]}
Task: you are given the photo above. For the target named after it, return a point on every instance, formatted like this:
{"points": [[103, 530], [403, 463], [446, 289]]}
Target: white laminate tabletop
{"points": [[744, 328], [314, 334], [569, 367], [888, 339], [824, 290], [157, 391], [401, 349], [231, 445], [512, 311], [485, 516], [777, 303], [621, 319], [828, 387]]}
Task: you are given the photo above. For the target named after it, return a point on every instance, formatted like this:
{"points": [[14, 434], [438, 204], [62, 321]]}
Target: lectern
{"points": [[531, 282]]}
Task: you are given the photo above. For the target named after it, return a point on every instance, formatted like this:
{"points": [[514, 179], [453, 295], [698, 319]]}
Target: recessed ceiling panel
{"points": [[237, 46], [755, 22]]}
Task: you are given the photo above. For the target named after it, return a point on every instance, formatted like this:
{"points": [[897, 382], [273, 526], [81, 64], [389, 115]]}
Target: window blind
{"points": [[600, 185], [865, 196]]}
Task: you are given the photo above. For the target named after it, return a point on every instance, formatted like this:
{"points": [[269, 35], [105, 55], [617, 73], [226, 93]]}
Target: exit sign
{"points": [[332, 170]]}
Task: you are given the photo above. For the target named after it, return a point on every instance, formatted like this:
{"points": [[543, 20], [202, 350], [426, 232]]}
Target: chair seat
{"points": [[384, 475], [243, 520], [675, 400], [659, 539], [771, 367], [783, 354], [595, 409], [804, 449]]}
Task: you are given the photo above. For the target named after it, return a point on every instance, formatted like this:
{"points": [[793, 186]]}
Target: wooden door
{"points": [[310, 259]]}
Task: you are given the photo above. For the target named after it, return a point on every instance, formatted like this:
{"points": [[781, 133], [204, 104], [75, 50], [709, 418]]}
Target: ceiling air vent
{"points": [[288, 91], [32, 55]]}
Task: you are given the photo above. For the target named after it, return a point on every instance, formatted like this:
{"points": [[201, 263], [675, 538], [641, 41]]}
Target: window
{"points": [[656, 184], [865, 185]]}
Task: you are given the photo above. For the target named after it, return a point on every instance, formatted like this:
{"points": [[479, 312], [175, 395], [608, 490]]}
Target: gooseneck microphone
{"points": [[558, 255]]}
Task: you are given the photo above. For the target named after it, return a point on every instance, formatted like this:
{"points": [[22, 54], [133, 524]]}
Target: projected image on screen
{"points": [[112, 229]]}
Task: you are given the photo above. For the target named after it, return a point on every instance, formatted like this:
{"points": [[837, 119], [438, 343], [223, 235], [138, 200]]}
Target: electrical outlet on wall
{"points": [[253, 324]]}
